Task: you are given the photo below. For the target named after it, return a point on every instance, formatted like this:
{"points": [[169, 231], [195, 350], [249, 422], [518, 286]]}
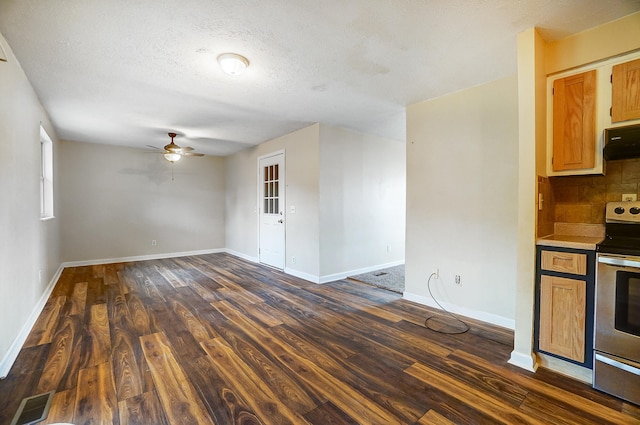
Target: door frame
{"points": [[283, 193]]}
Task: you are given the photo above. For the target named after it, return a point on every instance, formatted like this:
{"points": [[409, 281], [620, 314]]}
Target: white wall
{"points": [[462, 208], [362, 201], [116, 200], [302, 190], [348, 190], [29, 248]]}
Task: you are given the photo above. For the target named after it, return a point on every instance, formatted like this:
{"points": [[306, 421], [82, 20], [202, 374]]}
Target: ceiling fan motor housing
{"points": [[172, 147]]}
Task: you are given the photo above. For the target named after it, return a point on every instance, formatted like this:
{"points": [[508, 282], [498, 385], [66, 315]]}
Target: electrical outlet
{"points": [[436, 273], [458, 280], [293, 260], [153, 242], [388, 248], [629, 197]]}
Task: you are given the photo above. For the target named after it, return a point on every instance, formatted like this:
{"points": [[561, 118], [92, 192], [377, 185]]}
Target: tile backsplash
{"points": [[582, 199]]}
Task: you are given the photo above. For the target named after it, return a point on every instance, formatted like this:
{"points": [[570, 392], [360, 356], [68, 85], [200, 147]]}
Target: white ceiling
{"points": [[127, 72]]}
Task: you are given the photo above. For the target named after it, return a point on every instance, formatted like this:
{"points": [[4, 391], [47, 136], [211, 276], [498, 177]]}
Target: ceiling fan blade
{"points": [[155, 147], [187, 149], [192, 154]]}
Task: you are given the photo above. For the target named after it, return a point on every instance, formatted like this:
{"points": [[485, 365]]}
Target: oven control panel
{"points": [[623, 212]]}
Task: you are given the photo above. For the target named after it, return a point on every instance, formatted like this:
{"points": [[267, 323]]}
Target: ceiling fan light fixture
{"points": [[172, 157], [173, 152], [233, 63]]}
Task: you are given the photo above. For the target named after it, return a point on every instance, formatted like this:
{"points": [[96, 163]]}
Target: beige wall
{"points": [[462, 209], [116, 200], [29, 252], [302, 190], [348, 193], [362, 199], [604, 41]]}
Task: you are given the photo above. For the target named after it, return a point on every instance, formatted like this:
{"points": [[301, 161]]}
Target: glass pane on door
{"points": [[271, 189]]}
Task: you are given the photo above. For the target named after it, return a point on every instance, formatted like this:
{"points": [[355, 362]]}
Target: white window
{"points": [[46, 175]]}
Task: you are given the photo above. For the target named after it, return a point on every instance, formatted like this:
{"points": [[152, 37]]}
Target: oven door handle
{"points": [[619, 365], [618, 261]]}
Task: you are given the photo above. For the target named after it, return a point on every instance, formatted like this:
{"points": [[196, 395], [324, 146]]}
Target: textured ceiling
{"points": [[127, 72]]}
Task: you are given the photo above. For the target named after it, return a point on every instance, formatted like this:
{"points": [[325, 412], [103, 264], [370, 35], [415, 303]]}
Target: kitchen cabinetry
{"points": [[581, 104], [625, 88], [574, 119], [565, 287]]}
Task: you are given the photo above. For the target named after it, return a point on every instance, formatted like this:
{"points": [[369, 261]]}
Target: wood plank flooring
{"points": [[213, 339]]}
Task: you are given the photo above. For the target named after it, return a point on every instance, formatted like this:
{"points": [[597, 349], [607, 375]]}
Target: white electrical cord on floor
{"points": [[426, 321]]}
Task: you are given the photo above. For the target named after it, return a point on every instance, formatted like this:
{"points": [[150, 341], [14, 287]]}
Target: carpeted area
{"points": [[391, 279]]}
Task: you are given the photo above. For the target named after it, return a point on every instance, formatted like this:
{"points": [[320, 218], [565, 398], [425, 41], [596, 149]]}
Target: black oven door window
{"points": [[628, 302]]}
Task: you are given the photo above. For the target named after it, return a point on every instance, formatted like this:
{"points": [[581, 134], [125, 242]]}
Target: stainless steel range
{"points": [[616, 368]]}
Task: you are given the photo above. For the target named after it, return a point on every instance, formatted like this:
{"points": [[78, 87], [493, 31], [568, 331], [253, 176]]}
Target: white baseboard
{"points": [[319, 279], [525, 361], [338, 276], [287, 270], [241, 255], [344, 275], [142, 257], [303, 275], [474, 314], [14, 349]]}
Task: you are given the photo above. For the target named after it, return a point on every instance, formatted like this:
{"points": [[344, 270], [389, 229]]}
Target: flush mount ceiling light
{"points": [[233, 63]]}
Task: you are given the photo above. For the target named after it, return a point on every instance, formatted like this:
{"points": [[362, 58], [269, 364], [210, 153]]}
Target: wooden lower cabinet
{"points": [[562, 316], [565, 289]]}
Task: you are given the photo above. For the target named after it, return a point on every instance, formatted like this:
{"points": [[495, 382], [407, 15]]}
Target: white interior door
{"points": [[271, 207]]}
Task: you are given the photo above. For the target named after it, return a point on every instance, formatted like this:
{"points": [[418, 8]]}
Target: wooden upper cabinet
{"points": [[625, 97], [574, 122]]}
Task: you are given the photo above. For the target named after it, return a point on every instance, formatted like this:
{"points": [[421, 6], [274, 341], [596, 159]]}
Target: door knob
{"points": [[280, 221]]}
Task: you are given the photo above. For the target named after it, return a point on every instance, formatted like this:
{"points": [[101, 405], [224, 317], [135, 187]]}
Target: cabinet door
{"points": [[562, 317], [625, 101], [574, 122]]}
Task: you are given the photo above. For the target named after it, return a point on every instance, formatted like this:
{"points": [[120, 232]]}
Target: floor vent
{"points": [[33, 409]]}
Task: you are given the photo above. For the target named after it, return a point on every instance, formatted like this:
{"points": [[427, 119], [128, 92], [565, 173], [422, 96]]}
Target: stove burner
{"points": [[623, 212], [622, 229]]}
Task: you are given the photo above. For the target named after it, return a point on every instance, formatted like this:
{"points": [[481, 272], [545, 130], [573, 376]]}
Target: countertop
{"points": [[574, 235]]}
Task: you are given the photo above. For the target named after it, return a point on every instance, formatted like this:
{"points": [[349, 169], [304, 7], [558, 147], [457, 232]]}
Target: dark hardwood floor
{"points": [[215, 339]]}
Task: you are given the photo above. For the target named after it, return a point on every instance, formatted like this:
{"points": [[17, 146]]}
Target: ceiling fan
{"points": [[173, 152]]}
